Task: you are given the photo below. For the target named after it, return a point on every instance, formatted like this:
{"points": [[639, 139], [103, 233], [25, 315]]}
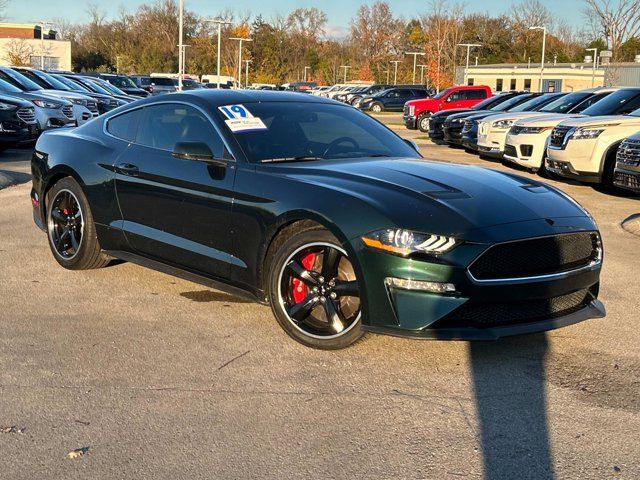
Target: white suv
{"points": [[585, 148], [527, 140]]}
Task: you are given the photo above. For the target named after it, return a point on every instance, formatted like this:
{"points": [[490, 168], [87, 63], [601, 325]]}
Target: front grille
{"points": [[629, 153], [113, 103], [487, 315], [468, 125], [68, 111], [558, 135], [537, 256], [627, 180], [27, 114], [510, 151], [93, 107]]}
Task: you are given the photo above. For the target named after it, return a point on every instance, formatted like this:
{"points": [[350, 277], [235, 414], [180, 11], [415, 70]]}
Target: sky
{"points": [[338, 11]]}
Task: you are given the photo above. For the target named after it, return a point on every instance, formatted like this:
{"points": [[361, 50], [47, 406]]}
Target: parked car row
{"points": [[591, 135]]}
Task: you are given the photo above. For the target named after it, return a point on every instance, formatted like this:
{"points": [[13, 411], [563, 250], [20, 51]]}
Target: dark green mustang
{"points": [[320, 211]]}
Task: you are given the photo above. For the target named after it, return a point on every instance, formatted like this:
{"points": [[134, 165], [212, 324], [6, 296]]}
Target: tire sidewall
{"points": [[377, 108], [421, 118], [281, 255]]}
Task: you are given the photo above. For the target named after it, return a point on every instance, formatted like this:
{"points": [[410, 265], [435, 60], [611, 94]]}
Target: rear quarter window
{"points": [[125, 126]]}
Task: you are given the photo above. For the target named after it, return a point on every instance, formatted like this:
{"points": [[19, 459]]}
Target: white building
{"points": [[21, 43]]}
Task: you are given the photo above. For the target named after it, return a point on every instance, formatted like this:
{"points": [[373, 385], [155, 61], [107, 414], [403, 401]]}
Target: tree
{"points": [[618, 20], [19, 53]]}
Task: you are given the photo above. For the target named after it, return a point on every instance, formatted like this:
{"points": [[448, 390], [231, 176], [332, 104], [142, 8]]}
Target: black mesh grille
{"points": [[627, 180], [558, 134], [629, 153], [27, 114], [486, 315], [68, 111], [537, 256]]}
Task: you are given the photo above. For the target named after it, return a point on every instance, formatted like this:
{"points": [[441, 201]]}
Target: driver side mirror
{"points": [[448, 99], [192, 151]]}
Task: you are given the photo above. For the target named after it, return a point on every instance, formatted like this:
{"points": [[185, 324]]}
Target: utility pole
{"points": [[305, 73], [346, 69], [466, 68], [422, 67], [544, 44], [415, 63], [246, 71], [240, 40], [180, 35], [219, 22], [42, 24], [395, 71], [593, 70], [387, 71]]}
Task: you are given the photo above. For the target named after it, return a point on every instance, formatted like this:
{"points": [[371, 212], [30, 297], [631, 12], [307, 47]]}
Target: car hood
{"points": [[65, 94], [41, 96], [432, 196], [13, 100], [547, 120], [452, 111], [603, 121], [514, 116]]}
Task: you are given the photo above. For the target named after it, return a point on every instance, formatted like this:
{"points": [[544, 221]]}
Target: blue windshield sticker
{"points": [[235, 111]]}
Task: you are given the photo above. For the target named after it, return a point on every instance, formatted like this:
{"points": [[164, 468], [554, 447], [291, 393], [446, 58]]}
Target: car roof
{"points": [[218, 98]]}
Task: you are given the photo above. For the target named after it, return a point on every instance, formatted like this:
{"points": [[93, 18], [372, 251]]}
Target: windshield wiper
{"points": [[301, 158]]}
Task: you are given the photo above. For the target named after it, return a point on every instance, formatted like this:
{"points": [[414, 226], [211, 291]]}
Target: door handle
{"points": [[128, 169]]}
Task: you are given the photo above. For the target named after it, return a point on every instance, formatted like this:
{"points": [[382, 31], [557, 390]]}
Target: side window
{"points": [[125, 126], [419, 93], [403, 92], [164, 125], [455, 96]]}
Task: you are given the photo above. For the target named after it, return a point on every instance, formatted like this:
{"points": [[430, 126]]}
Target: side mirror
{"points": [[193, 151], [448, 99], [412, 144]]}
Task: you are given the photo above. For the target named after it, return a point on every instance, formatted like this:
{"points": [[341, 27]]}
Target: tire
{"points": [[377, 107], [608, 170], [70, 228], [423, 122], [322, 313]]}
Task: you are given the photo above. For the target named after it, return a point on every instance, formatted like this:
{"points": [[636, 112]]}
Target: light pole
{"points": [[305, 73], [346, 69], [595, 60], [466, 68], [246, 71], [42, 24], [544, 44], [219, 22], [180, 33], [388, 72], [422, 67], [415, 62], [240, 40], [395, 70]]}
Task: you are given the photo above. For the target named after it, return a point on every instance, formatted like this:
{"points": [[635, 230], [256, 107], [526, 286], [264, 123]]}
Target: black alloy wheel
{"points": [[65, 224]]}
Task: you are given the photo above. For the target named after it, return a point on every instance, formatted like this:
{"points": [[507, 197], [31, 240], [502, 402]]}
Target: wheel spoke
{"points": [[74, 241], [330, 261], [301, 310], [302, 273], [78, 215], [347, 289], [57, 215], [61, 241], [333, 317]]}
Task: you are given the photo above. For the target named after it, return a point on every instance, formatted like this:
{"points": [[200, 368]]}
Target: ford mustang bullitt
{"points": [[320, 211]]}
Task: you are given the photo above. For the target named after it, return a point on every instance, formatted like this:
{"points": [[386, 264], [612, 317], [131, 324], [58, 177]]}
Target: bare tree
{"points": [[619, 20], [18, 53]]}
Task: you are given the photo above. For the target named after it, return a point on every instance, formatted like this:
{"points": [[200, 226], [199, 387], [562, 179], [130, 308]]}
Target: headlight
{"points": [[528, 130], [587, 133], [78, 101], [7, 106], [46, 104], [502, 124], [457, 120], [405, 242]]}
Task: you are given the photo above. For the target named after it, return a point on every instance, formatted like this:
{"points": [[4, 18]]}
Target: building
{"points": [[561, 77], [22, 43]]}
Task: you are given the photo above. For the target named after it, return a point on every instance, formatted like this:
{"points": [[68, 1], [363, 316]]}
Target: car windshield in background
{"points": [[6, 87], [76, 87], [94, 86], [508, 104], [122, 82], [620, 102], [162, 81], [312, 131], [110, 87], [20, 80], [536, 102], [565, 103]]}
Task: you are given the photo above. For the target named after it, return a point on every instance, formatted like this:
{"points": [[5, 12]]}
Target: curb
{"points": [[632, 224]]}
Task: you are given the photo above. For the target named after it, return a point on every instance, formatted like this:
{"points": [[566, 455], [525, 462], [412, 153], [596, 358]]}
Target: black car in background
{"points": [[105, 102], [109, 102], [123, 82], [392, 99], [17, 121], [354, 98], [436, 120]]}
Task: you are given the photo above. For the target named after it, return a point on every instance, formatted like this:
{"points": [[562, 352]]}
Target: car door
{"points": [[455, 100], [174, 209]]}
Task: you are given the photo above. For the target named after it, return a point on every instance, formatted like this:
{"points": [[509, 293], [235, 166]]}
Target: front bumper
{"points": [[52, 118], [527, 150], [492, 144], [468, 313], [410, 122], [14, 133], [576, 159], [626, 178], [452, 134]]}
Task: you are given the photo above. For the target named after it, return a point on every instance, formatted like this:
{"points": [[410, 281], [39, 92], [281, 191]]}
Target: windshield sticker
{"points": [[252, 124], [235, 111]]}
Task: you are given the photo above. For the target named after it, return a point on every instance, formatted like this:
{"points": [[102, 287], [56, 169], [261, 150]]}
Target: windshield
{"points": [[54, 82], [19, 80], [8, 88], [491, 102], [566, 103], [107, 86], [535, 103], [308, 130], [71, 84], [442, 93], [512, 102], [621, 102], [93, 86], [121, 82]]}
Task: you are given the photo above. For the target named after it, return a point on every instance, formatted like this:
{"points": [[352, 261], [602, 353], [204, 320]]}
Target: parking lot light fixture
{"points": [[595, 61], [219, 22], [246, 71], [240, 40], [422, 67], [466, 68], [180, 40], [346, 69], [415, 63], [395, 70], [544, 44], [42, 24]]}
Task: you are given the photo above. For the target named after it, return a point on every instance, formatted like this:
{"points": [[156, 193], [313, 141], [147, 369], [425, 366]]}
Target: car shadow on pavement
{"points": [[509, 384], [9, 177]]}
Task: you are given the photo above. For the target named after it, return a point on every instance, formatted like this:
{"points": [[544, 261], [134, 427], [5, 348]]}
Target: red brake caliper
{"points": [[299, 287]]}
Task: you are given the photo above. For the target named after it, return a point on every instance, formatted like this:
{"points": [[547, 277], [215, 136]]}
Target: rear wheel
{"points": [[377, 107], [70, 228], [314, 292]]}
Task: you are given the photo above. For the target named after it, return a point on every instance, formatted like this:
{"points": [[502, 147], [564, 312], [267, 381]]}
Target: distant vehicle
{"points": [[263, 86], [18, 121], [94, 87], [392, 99], [187, 84], [417, 112], [318, 90], [211, 81], [161, 85], [123, 82], [302, 87], [105, 102], [115, 91], [355, 98], [585, 148], [627, 171]]}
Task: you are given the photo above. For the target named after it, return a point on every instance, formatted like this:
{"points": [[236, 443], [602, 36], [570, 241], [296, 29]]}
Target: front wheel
{"points": [[314, 291], [377, 108], [423, 122]]}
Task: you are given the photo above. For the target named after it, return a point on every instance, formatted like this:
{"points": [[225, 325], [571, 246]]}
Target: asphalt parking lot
{"points": [[155, 377]]}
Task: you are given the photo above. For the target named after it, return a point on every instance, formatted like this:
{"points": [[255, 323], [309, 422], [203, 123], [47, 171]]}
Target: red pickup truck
{"points": [[417, 112]]}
